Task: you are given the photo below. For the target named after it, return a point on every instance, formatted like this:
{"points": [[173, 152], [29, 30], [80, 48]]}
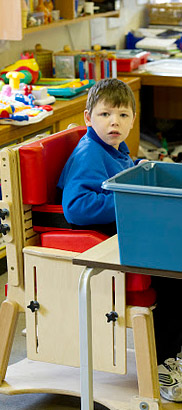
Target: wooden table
{"points": [[100, 257], [154, 79], [65, 113], [167, 93]]}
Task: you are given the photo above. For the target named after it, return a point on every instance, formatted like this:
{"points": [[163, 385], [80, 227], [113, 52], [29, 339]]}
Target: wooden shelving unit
{"points": [[11, 18], [65, 22]]}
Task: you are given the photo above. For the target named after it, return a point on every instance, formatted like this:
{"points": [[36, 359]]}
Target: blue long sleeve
{"points": [[92, 162]]}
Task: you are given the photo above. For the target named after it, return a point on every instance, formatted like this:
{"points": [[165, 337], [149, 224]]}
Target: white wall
{"points": [[78, 35]]}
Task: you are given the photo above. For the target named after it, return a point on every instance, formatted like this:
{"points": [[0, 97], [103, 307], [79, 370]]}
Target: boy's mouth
{"points": [[114, 133]]}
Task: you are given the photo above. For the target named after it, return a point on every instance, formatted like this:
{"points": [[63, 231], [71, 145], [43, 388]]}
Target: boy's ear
{"points": [[134, 118], [87, 118]]}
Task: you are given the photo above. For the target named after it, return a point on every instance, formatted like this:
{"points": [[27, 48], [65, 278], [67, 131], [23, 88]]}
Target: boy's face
{"points": [[112, 124]]}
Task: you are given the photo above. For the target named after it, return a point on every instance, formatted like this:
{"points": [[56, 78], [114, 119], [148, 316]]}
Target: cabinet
{"points": [[11, 18]]}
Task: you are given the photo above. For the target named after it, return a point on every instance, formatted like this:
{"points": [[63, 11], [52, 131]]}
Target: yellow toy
{"points": [[14, 79], [46, 7], [27, 65]]}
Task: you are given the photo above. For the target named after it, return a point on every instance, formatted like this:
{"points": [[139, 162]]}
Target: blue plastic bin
{"points": [[148, 202]]}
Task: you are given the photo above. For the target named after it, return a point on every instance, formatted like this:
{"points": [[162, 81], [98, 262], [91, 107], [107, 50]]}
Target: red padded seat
{"points": [[143, 298], [41, 163], [76, 241]]}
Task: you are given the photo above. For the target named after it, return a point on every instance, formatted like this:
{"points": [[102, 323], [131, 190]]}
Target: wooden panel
{"points": [[111, 391], [168, 102], [109, 339], [11, 20], [53, 331], [133, 139], [56, 323], [145, 352], [8, 320], [73, 119], [66, 8], [10, 193]]}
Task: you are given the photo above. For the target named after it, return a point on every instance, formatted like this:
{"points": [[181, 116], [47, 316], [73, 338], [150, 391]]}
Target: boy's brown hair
{"points": [[112, 91]]}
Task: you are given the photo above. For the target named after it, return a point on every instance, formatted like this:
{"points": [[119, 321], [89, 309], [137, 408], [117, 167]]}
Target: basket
{"points": [[44, 60], [165, 13], [148, 203]]}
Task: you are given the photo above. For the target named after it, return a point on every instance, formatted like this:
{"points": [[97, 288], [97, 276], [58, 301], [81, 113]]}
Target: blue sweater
{"points": [[92, 162]]}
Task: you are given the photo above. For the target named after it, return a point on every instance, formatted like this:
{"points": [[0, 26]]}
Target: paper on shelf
{"points": [[164, 44]]}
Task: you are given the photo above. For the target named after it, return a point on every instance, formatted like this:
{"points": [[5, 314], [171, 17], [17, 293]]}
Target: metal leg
{"points": [[85, 323]]}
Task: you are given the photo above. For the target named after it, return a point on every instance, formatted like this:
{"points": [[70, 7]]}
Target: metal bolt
{"points": [[144, 406]]}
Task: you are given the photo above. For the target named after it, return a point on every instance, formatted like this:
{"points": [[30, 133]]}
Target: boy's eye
{"points": [[104, 114], [123, 115]]}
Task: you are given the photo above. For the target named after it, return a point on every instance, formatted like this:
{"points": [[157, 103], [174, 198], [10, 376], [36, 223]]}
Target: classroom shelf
{"points": [[11, 25], [66, 22]]}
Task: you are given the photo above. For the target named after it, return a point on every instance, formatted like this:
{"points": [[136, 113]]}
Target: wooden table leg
{"points": [[8, 321]]}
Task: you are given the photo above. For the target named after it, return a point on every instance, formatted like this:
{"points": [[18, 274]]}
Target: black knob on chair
{"points": [[112, 316], [4, 228], [3, 213], [34, 305]]}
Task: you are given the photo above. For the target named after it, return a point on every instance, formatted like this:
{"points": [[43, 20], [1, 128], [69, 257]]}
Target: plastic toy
{"points": [[1, 84], [41, 95], [15, 78], [65, 87], [27, 65], [18, 113], [17, 106], [46, 7], [23, 98], [6, 110]]}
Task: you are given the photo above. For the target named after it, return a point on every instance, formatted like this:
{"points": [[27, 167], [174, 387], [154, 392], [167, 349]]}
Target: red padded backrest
{"points": [[41, 163]]}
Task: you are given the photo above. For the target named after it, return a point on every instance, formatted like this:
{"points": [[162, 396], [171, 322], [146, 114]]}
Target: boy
{"points": [[100, 154]]}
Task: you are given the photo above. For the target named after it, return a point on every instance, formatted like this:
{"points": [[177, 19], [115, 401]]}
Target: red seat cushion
{"points": [[143, 298], [41, 163], [137, 282], [75, 241]]}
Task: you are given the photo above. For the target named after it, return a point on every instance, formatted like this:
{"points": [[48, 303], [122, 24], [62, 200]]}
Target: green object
{"points": [[28, 77], [5, 79], [1, 84], [164, 144]]}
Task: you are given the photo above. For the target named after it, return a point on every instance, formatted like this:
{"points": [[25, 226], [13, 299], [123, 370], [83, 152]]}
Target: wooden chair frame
{"points": [[57, 295]]}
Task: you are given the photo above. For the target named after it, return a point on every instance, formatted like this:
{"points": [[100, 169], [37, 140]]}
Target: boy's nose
{"points": [[114, 120]]}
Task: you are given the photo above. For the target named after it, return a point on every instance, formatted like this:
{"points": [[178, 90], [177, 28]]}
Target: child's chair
{"points": [[43, 282]]}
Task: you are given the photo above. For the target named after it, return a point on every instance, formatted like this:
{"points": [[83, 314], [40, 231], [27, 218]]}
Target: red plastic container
{"points": [[127, 64]]}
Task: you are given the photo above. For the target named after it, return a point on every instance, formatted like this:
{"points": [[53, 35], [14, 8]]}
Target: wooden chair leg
{"points": [[8, 321], [145, 350]]}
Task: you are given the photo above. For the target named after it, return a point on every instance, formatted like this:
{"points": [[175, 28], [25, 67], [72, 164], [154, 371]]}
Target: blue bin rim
{"points": [[110, 185]]}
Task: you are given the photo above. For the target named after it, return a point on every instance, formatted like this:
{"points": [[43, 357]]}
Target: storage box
{"points": [[44, 60], [35, 19], [129, 53], [67, 64], [127, 64], [165, 13], [148, 202]]}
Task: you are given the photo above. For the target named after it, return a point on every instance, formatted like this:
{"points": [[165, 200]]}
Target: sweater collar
{"points": [[122, 146]]}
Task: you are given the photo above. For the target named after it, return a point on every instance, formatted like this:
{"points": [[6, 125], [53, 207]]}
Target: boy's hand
{"points": [[142, 161]]}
